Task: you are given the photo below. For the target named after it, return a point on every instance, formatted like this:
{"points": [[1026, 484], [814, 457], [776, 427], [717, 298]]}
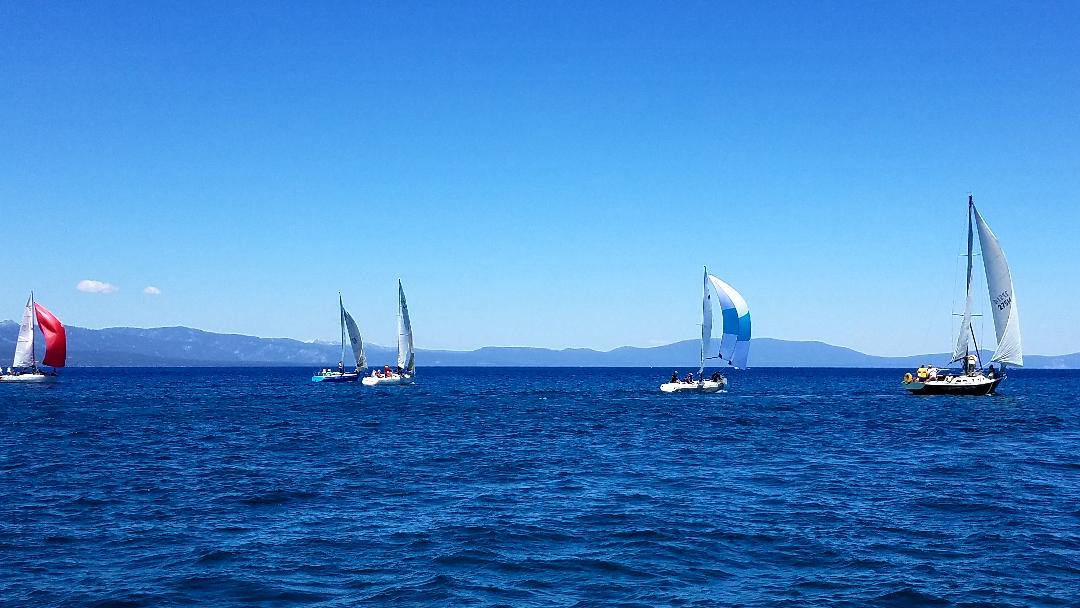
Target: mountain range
{"points": [[186, 347]]}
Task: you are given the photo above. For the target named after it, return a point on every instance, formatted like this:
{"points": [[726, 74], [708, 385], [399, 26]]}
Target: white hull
{"points": [[393, 380], [29, 378], [706, 386]]}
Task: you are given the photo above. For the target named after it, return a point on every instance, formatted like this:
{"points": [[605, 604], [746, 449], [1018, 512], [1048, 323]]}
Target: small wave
{"points": [[277, 497], [911, 597]]}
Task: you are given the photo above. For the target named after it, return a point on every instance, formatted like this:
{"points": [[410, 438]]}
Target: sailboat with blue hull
{"points": [[734, 345], [348, 325], [973, 379]]}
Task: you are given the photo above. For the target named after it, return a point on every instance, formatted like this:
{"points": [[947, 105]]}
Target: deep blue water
{"points": [[537, 487]]}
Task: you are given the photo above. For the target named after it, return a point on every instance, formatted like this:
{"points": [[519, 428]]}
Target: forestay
{"points": [[735, 343], [1002, 299]]}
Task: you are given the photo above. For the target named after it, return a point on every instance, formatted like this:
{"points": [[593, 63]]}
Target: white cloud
{"points": [[152, 291], [88, 286]]}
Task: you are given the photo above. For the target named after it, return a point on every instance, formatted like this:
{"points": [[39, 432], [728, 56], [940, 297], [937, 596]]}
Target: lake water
{"points": [[537, 487]]}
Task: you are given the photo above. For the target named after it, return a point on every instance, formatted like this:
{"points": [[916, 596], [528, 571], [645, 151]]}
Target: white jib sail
{"points": [[964, 338], [356, 341], [735, 344], [405, 358], [706, 322], [1002, 299], [24, 348]]}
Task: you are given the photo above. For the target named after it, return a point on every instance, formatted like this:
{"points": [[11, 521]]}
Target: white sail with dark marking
{"points": [[406, 356], [355, 339], [1002, 299]]}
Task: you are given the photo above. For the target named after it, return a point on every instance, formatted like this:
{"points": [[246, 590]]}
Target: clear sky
{"points": [[539, 173]]}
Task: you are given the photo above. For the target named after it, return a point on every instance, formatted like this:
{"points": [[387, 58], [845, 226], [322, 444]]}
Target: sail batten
{"points": [[1002, 298]]}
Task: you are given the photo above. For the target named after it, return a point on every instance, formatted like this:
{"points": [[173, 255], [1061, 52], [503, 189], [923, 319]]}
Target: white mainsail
{"points": [[355, 340], [735, 343], [1002, 299], [706, 322], [406, 357], [964, 339], [24, 347]]}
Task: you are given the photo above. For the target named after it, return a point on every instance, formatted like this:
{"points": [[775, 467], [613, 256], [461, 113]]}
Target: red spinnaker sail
{"points": [[55, 337]]}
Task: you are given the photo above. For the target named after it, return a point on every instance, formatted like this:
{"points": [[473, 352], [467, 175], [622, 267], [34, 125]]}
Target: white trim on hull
{"points": [[975, 384], [704, 386], [39, 378], [391, 381], [335, 376]]}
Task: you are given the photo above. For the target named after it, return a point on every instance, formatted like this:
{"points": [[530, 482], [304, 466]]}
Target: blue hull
{"points": [[336, 378]]}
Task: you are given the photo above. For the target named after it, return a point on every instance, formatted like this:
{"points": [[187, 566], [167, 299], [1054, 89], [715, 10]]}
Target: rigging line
{"points": [[978, 355]]}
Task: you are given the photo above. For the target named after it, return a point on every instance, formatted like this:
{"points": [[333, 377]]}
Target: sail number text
{"points": [[1003, 300]]}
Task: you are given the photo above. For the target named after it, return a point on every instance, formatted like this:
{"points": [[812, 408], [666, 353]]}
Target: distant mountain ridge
{"points": [[186, 347]]}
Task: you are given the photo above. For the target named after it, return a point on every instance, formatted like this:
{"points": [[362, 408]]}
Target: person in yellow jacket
{"points": [[923, 373]]}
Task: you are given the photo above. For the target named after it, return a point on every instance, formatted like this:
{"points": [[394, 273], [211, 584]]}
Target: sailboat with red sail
{"points": [[25, 368]]}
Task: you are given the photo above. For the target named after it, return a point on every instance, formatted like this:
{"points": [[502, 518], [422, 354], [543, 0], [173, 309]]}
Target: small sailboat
{"points": [[24, 368], [734, 345], [406, 355], [973, 379], [339, 374]]}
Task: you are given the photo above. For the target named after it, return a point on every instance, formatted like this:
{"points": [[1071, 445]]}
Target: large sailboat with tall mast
{"points": [[24, 368], [340, 375], [405, 370], [973, 379], [734, 345]]}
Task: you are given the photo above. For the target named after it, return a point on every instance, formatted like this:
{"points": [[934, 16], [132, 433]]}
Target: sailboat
{"points": [[734, 345], [340, 375], [24, 368], [973, 380], [406, 354]]}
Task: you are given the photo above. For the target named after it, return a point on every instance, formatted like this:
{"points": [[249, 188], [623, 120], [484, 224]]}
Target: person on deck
{"points": [[715, 377], [690, 378], [674, 376], [923, 373], [991, 372]]}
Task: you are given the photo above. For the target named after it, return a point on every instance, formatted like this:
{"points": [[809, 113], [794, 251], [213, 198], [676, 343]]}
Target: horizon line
{"points": [[548, 348]]}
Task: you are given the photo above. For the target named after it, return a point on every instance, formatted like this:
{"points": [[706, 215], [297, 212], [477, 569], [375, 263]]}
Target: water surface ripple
{"points": [[536, 487]]}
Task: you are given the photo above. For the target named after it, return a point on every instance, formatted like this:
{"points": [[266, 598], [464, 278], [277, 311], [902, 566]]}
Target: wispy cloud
{"points": [[152, 291], [89, 286]]}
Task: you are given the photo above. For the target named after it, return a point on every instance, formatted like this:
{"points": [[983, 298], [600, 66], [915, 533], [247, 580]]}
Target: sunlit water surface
{"points": [[536, 487]]}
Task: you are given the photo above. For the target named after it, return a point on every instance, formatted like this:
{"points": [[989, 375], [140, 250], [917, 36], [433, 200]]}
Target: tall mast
{"points": [[967, 296], [962, 342], [341, 314], [706, 321], [33, 330]]}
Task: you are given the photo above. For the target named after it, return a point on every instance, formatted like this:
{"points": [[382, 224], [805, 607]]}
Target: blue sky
{"points": [[546, 173]]}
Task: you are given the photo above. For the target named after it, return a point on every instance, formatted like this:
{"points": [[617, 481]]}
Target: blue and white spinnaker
{"points": [[735, 342]]}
